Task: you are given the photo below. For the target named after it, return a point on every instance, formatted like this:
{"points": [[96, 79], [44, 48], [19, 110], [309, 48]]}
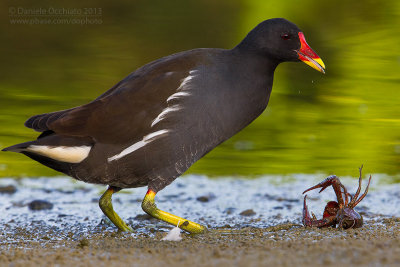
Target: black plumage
{"points": [[153, 125]]}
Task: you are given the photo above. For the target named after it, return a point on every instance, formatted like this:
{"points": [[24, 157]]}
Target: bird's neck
{"points": [[253, 58]]}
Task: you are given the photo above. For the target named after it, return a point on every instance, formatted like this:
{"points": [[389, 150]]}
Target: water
{"points": [[314, 123]]}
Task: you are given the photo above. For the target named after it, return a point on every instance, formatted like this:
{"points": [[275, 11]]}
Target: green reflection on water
{"points": [[329, 123]]}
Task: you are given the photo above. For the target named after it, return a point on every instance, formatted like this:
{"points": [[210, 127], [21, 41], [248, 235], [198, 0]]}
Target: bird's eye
{"points": [[285, 36]]}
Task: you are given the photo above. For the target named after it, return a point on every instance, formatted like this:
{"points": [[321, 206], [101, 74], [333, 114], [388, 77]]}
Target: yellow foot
{"points": [[150, 208]]}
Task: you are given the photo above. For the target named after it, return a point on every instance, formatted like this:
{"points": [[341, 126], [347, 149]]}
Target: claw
{"points": [[324, 184], [313, 222], [337, 186], [306, 214]]}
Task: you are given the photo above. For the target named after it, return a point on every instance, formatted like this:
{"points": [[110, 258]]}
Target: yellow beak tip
{"points": [[320, 62]]}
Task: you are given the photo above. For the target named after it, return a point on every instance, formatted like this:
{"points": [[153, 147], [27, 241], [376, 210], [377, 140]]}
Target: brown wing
{"points": [[125, 111]]}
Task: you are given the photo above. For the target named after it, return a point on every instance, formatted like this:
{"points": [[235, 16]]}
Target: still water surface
{"points": [[314, 123]]}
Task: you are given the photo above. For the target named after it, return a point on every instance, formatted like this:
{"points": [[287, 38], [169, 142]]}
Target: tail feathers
{"points": [[59, 148], [18, 147], [49, 162]]}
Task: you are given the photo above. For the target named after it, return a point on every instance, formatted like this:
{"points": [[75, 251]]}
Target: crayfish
{"points": [[341, 212]]}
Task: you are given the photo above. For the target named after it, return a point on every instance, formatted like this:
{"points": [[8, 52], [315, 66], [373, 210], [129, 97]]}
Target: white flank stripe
{"points": [[128, 150], [147, 139], [178, 95], [70, 154], [150, 137], [181, 92], [164, 113], [185, 82]]}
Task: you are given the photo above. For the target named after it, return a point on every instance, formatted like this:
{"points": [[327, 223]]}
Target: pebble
{"points": [[248, 212], [8, 189], [143, 217], [40, 205], [206, 198]]}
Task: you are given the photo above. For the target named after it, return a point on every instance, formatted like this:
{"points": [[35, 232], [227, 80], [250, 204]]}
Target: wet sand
{"points": [[376, 244], [258, 228]]}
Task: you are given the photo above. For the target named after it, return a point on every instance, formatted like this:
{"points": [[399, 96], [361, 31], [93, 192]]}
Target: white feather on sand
{"points": [[173, 235]]}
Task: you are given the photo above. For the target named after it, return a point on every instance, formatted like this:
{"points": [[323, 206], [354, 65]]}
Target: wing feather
{"points": [[127, 109]]}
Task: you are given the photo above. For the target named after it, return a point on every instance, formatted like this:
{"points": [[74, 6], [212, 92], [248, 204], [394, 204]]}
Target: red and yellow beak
{"points": [[308, 56]]}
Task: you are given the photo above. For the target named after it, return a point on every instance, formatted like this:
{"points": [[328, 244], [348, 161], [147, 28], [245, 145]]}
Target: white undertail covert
{"points": [[70, 154]]}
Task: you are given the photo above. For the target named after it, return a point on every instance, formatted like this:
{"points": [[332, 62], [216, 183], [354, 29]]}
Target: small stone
{"points": [[8, 189], [248, 212], [40, 205], [143, 217], [206, 198], [202, 199]]}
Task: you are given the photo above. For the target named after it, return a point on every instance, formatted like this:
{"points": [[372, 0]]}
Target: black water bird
{"points": [[153, 125]]}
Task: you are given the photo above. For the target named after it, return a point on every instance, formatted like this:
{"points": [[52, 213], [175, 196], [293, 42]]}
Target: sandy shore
{"points": [[257, 228], [376, 244]]}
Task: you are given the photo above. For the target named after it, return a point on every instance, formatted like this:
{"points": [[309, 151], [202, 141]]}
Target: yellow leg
{"points": [[107, 208], [150, 208]]}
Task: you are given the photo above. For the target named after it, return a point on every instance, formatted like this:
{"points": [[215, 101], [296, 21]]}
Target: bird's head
{"points": [[281, 40]]}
